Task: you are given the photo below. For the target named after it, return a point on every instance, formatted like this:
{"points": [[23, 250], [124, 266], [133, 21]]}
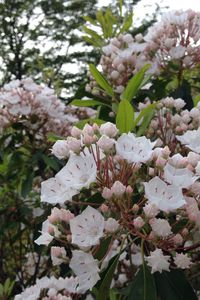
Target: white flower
{"points": [[45, 238], [191, 139], [86, 269], [160, 227], [53, 191], [109, 129], [181, 177], [60, 149], [134, 149], [79, 172], [87, 228], [166, 197], [118, 189], [157, 261], [111, 225], [182, 261], [105, 143]]}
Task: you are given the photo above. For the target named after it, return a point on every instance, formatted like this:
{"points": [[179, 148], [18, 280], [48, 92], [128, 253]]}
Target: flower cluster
{"points": [[37, 108], [171, 44], [50, 289], [171, 120], [174, 39], [136, 195]]}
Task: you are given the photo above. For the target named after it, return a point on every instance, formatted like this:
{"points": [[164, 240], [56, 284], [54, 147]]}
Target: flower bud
{"points": [[118, 189], [111, 225], [60, 149], [107, 193], [105, 143], [138, 222]]}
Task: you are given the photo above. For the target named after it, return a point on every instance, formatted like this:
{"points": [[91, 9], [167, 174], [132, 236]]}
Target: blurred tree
{"points": [[38, 38]]}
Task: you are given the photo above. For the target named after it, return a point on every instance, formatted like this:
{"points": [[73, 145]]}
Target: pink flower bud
{"points": [[53, 219], [109, 129], [88, 129], [118, 189], [76, 132], [69, 238], [56, 251], [60, 149], [177, 239], [105, 143], [138, 222], [50, 230], [74, 144], [104, 208], [160, 162], [184, 232], [107, 193], [87, 139], [66, 215], [151, 171], [129, 190], [111, 225]]}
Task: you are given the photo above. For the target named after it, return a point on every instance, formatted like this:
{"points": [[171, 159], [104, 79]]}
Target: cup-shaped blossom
{"points": [[191, 139], [166, 197], [182, 177], [134, 149], [79, 172], [158, 261], [87, 228], [85, 267], [54, 190]]}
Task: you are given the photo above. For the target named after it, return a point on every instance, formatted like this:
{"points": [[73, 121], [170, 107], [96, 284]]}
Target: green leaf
{"points": [[134, 84], [196, 100], [125, 117], [143, 286], [145, 112], [103, 248], [107, 277], [87, 103], [100, 79], [145, 123], [51, 137], [127, 23], [90, 20], [51, 162], [81, 123], [173, 285], [91, 41], [26, 185]]}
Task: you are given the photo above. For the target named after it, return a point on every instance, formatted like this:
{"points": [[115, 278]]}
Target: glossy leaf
{"points": [[103, 248], [143, 286], [100, 79], [87, 103], [127, 23], [107, 276], [173, 285], [81, 123], [26, 185], [125, 117], [134, 84]]}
